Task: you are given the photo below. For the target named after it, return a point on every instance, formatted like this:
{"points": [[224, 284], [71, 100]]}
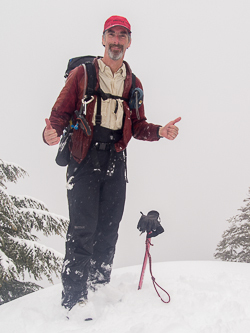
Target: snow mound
{"points": [[206, 297]]}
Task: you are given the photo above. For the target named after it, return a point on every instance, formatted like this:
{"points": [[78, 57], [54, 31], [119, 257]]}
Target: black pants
{"points": [[96, 203]]}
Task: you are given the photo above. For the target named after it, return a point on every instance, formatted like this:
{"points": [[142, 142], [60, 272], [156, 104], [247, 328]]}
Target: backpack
{"points": [[135, 99]]}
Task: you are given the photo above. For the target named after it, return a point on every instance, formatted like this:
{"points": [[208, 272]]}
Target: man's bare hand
{"points": [[170, 131], [50, 134]]}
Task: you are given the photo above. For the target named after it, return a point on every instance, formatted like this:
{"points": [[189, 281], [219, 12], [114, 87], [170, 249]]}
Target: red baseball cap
{"points": [[117, 20]]}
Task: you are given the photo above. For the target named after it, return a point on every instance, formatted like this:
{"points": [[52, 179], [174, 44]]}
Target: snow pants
{"points": [[96, 203]]}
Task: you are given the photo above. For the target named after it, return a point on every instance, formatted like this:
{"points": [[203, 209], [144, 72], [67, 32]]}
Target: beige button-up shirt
{"points": [[112, 84]]}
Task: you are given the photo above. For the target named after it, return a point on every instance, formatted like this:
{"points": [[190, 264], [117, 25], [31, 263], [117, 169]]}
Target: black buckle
{"points": [[102, 146], [98, 119]]}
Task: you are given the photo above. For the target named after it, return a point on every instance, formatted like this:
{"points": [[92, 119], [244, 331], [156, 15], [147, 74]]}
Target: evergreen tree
{"points": [[235, 243], [20, 252]]}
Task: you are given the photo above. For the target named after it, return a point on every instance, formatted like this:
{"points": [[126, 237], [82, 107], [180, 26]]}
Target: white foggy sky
{"points": [[192, 57]]}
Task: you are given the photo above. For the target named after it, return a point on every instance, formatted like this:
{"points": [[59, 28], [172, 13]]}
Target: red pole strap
{"points": [[147, 255]]}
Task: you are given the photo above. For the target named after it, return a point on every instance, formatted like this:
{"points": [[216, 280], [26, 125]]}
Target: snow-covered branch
{"points": [[20, 251], [10, 172]]}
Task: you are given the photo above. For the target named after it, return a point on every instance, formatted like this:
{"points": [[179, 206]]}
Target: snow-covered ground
{"points": [[206, 297]]}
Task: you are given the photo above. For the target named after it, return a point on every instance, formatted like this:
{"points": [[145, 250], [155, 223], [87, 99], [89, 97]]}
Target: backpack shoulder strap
{"points": [[91, 74], [90, 91], [133, 82], [132, 86]]}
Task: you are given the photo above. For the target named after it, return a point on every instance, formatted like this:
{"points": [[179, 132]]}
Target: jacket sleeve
{"points": [[68, 100], [141, 129]]}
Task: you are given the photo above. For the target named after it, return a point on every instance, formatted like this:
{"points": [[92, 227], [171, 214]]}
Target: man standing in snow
{"points": [[97, 168]]}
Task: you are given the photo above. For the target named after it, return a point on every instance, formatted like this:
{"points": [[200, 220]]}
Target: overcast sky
{"points": [[192, 57]]}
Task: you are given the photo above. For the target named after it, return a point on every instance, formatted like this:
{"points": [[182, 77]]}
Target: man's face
{"points": [[116, 41]]}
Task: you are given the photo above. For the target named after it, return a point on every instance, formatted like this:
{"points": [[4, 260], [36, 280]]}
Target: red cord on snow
{"points": [[146, 257]]}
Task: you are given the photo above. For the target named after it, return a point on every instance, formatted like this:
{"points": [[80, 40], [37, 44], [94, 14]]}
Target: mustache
{"points": [[116, 45]]}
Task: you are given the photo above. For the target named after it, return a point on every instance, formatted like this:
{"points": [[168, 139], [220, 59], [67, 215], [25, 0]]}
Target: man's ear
{"points": [[129, 43], [103, 41]]}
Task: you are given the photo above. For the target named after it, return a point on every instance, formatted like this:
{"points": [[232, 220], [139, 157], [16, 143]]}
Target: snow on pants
{"points": [[96, 203]]}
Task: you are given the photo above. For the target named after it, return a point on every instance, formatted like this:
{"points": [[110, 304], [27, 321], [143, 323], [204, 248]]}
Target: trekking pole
{"points": [[144, 262], [151, 224]]}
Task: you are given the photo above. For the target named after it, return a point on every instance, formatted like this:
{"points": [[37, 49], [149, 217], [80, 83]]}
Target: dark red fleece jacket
{"points": [[70, 99]]}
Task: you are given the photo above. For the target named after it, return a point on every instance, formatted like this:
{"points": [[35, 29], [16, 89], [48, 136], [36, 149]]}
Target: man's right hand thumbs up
{"points": [[50, 134]]}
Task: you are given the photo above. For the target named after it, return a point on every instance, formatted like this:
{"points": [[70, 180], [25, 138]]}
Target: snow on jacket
{"points": [[70, 99]]}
